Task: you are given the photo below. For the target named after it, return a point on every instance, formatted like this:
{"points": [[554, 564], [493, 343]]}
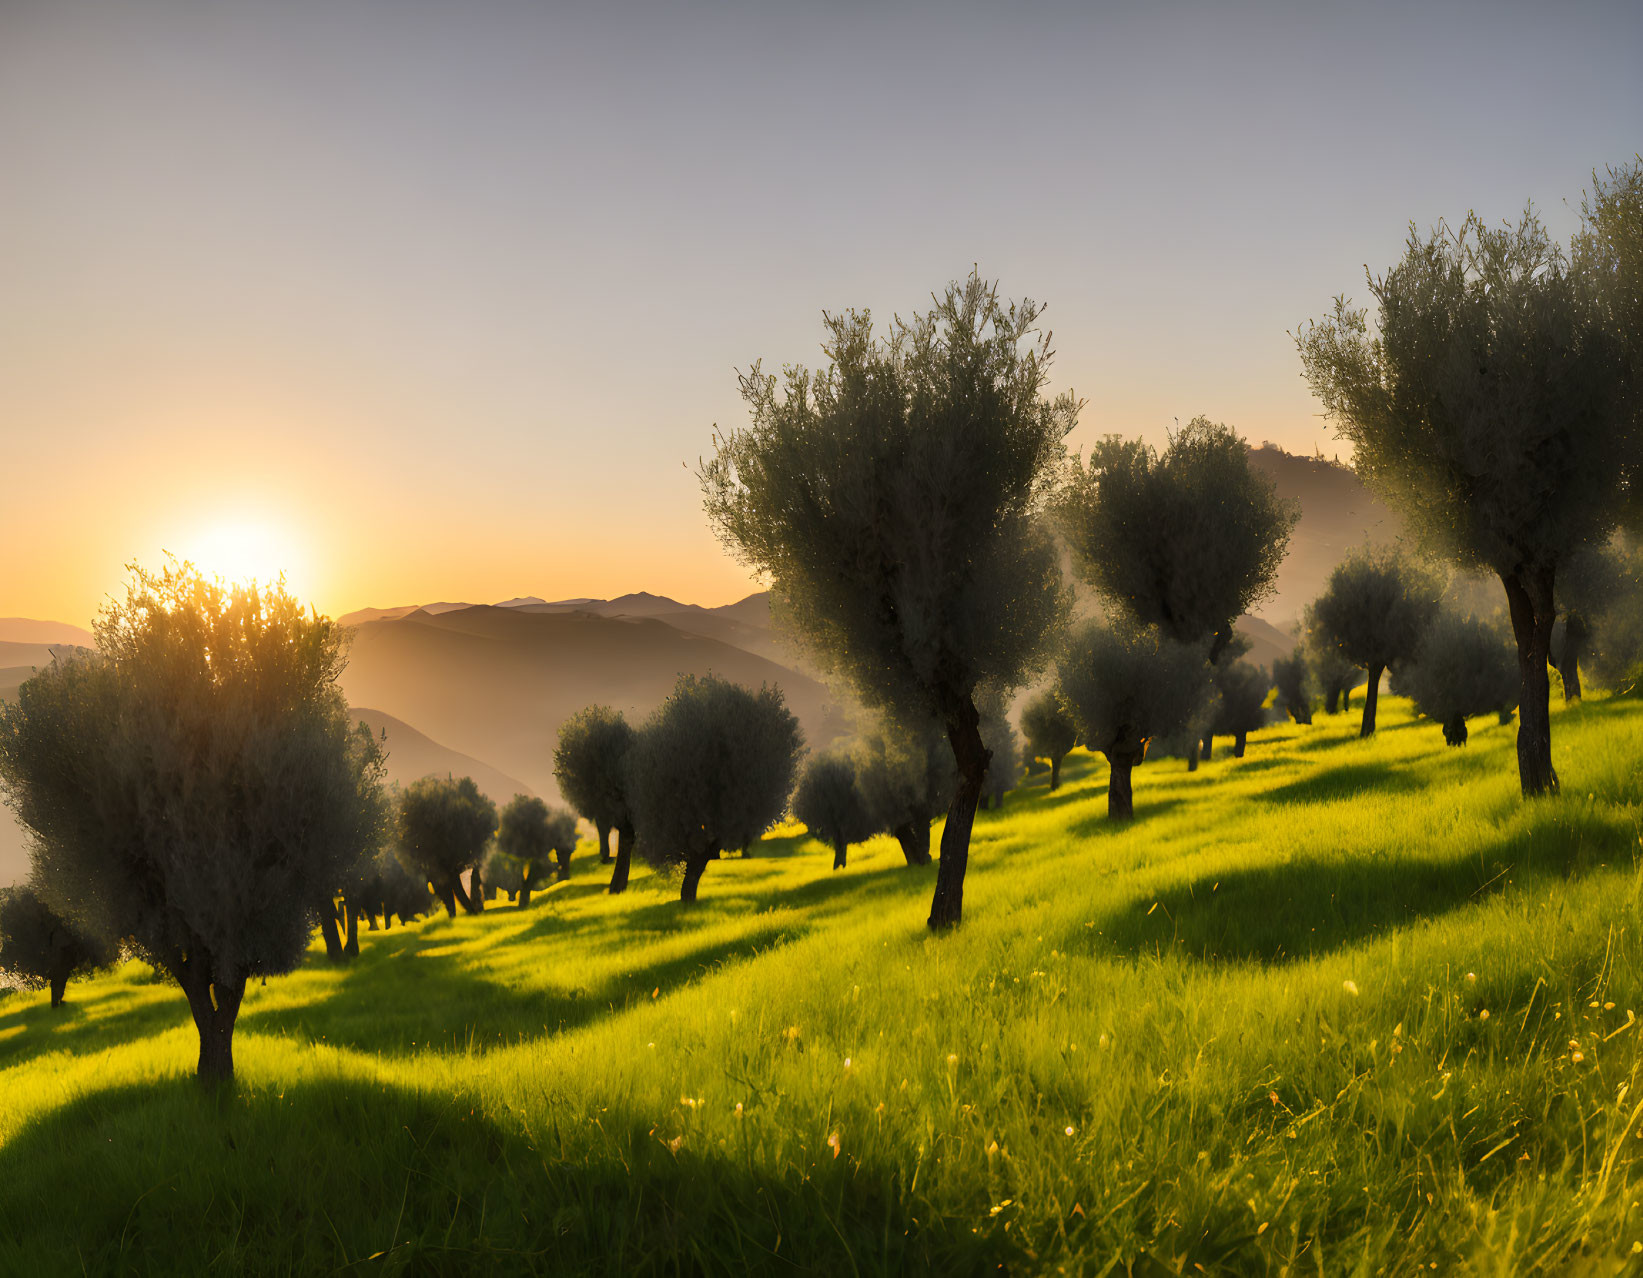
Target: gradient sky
{"points": [[441, 301]]}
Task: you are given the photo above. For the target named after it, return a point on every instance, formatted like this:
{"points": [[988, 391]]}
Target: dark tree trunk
{"points": [[1120, 794], [1239, 739], [351, 948], [1192, 759], [604, 842], [59, 983], [1529, 595], [1208, 744], [839, 850], [984, 802], [446, 892], [1302, 714], [972, 757], [473, 899], [1055, 773], [1454, 731], [564, 864], [693, 873], [1346, 700], [1371, 698], [1332, 701], [624, 858], [914, 837], [1571, 675], [371, 920], [527, 881], [215, 1008], [328, 929]]}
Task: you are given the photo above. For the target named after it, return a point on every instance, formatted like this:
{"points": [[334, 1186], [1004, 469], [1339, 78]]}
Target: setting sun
{"points": [[245, 550]]}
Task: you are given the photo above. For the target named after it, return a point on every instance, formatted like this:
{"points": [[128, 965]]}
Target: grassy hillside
{"points": [[1336, 1007]]}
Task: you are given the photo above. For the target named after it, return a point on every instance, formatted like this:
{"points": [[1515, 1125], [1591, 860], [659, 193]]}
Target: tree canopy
{"points": [[711, 770], [445, 825], [1050, 730], [1187, 539], [831, 805], [1463, 667], [590, 764], [37, 947], [894, 499], [1127, 684], [188, 785], [1373, 613], [905, 775], [1243, 688]]}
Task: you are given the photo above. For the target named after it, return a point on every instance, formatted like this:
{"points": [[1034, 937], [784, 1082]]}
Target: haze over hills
{"points": [[27, 630], [496, 683], [412, 755]]}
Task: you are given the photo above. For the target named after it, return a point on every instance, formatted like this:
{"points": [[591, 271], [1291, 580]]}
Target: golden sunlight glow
{"points": [[245, 550]]}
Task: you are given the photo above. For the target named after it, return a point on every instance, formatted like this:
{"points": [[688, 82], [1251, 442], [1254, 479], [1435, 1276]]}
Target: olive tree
{"points": [[1127, 684], [1187, 539], [894, 499], [1050, 729], [188, 784], [1592, 583], [590, 764], [1373, 612], [531, 836], [445, 825], [1463, 667], [711, 769], [37, 947], [1332, 674], [831, 805], [1489, 406], [905, 775], [1292, 675], [1243, 690]]}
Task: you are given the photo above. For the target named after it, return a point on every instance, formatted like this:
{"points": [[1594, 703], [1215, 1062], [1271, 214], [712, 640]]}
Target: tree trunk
{"points": [[1208, 746], [1454, 731], [473, 900], [1238, 741], [59, 983], [839, 850], [1332, 701], [1120, 794], [1571, 676], [328, 929], [1192, 758], [914, 837], [624, 858], [371, 920], [693, 873], [446, 892], [215, 1008], [972, 757], [604, 842], [1371, 698], [564, 864], [1302, 714], [1055, 773], [351, 949], [1529, 595], [984, 802]]}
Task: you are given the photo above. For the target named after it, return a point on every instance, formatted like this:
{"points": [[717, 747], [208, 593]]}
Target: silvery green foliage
{"points": [[1463, 667], [1127, 684], [830, 804], [998, 735], [1048, 725], [894, 499], [529, 837], [1243, 690], [588, 763], [1294, 681], [37, 947], [193, 783], [1486, 401], [1332, 674], [444, 828], [1187, 539], [1376, 607], [711, 770], [906, 775]]}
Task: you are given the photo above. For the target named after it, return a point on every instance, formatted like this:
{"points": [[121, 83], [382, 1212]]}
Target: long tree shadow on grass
{"points": [[330, 1175], [1347, 781], [1302, 909], [89, 1022], [411, 996]]}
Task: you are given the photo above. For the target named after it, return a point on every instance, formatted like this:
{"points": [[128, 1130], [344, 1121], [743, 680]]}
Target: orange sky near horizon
{"points": [[435, 302]]}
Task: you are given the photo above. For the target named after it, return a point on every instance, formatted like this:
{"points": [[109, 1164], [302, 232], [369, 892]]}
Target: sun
{"points": [[245, 550]]}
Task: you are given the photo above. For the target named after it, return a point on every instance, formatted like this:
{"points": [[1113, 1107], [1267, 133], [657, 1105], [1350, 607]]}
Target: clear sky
{"points": [[429, 301]]}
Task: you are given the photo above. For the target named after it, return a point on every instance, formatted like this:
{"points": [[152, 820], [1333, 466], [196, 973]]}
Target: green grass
{"points": [[1140, 1053]]}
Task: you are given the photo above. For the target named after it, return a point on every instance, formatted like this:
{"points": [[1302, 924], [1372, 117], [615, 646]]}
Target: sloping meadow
{"points": [[1336, 1006]]}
